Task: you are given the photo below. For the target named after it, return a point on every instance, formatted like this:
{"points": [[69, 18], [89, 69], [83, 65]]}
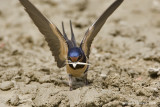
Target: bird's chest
{"points": [[78, 72]]}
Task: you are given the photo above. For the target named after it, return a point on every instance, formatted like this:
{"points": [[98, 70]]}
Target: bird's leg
{"points": [[70, 82], [85, 79]]}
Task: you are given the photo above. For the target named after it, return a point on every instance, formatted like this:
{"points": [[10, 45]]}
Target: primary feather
{"points": [[95, 28], [53, 36]]}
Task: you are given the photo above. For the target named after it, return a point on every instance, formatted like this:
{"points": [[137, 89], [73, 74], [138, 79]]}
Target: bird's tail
{"points": [[72, 35]]}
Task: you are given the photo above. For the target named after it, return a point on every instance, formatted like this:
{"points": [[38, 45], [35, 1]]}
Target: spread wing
{"points": [[52, 35], [95, 28]]}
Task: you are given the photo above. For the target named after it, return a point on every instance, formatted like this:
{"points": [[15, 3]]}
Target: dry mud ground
{"points": [[125, 57]]}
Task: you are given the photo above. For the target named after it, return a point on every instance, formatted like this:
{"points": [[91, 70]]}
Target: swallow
{"points": [[65, 51]]}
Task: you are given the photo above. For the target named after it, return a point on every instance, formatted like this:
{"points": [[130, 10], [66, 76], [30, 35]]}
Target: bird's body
{"points": [[78, 72], [65, 51], [75, 55]]}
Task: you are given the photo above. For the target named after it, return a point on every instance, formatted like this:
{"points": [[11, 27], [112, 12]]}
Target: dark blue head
{"points": [[75, 54]]}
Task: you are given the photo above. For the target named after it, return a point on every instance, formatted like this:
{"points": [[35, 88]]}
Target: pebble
{"points": [[14, 101], [154, 71], [103, 76], [7, 85]]}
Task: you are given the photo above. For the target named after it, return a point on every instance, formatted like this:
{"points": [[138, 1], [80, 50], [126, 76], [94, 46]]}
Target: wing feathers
{"points": [[52, 35], [59, 43], [95, 28]]}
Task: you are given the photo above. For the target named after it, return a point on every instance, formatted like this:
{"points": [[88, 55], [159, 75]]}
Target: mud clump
{"points": [[14, 101], [154, 72], [7, 85]]}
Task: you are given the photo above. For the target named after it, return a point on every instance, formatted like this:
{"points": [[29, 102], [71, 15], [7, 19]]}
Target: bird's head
{"points": [[76, 58], [75, 54]]}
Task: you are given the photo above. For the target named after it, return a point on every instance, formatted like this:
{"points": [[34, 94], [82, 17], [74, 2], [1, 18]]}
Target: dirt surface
{"points": [[125, 57]]}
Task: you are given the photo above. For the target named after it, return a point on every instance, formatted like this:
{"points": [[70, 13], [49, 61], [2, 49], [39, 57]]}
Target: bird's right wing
{"points": [[52, 35]]}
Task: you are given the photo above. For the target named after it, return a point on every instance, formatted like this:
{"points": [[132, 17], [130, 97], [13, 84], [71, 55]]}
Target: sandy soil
{"points": [[125, 57]]}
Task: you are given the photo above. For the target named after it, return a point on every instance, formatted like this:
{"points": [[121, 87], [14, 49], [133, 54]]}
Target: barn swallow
{"points": [[65, 51]]}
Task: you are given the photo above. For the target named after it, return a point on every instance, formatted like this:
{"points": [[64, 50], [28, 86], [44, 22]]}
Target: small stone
{"points": [[27, 80], [7, 85], [103, 76], [14, 101], [154, 71]]}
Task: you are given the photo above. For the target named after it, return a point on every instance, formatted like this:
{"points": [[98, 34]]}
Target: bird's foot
{"points": [[70, 82], [70, 88], [86, 82]]}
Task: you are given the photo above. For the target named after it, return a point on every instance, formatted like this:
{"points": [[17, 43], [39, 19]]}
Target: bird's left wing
{"points": [[95, 28], [53, 36]]}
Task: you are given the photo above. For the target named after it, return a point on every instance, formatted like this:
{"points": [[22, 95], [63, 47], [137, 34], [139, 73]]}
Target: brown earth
{"points": [[125, 57]]}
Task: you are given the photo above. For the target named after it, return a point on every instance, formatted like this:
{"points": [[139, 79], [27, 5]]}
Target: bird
{"points": [[66, 51]]}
